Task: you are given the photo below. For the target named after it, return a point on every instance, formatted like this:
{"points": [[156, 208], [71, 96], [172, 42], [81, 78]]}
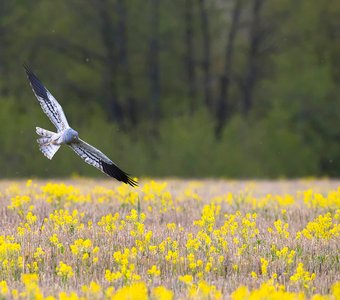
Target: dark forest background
{"points": [[191, 88]]}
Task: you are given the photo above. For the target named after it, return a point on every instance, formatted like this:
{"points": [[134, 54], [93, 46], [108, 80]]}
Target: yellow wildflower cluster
{"points": [[110, 222], [127, 196], [157, 195], [64, 271], [323, 227], [281, 229], [302, 276], [59, 194], [207, 220], [266, 291], [125, 267], [63, 220], [84, 250], [268, 200], [92, 291], [201, 290], [316, 200], [169, 240], [284, 254], [11, 260], [161, 293], [154, 271], [19, 201]]}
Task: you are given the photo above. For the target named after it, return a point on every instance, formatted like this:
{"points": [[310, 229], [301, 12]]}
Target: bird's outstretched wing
{"points": [[48, 103], [96, 158]]}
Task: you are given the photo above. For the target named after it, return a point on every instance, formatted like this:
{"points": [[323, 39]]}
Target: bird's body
{"points": [[67, 136], [50, 141]]}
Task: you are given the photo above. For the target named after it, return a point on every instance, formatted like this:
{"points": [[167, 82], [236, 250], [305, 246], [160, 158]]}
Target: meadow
{"points": [[170, 239]]}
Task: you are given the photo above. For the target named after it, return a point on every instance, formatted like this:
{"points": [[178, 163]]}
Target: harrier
{"points": [[50, 142]]}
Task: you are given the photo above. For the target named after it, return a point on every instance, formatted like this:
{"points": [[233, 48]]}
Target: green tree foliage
{"points": [[142, 73]]}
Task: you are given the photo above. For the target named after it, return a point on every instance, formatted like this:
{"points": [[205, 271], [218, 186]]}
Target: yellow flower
{"points": [[204, 291], [264, 265], [302, 277], [65, 296], [322, 227], [154, 271], [161, 293], [336, 290], [112, 276], [15, 294], [38, 253], [241, 293], [92, 291], [134, 291], [3, 288], [18, 202], [31, 218], [64, 271], [282, 228], [171, 226], [29, 279], [235, 267], [187, 279], [153, 249]]}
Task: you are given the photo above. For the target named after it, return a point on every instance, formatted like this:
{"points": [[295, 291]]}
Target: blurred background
{"points": [[187, 88]]}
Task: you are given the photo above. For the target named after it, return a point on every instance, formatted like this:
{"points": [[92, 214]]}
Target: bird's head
{"points": [[75, 135], [71, 136]]}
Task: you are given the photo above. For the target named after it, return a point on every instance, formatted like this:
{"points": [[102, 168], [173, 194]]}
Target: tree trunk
{"points": [[255, 37], [223, 107], [123, 58], [108, 34], [7, 9], [206, 62], [190, 55], [154, 62]]}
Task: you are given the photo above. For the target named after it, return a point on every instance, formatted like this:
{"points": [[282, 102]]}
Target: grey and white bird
{"points": [[50, 142]]}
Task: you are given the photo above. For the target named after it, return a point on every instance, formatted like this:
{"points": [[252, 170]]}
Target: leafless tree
{"points": [[190, 54], [154, 61], [123, 59], [206, 46], [252, 66], [223, 107], [108, 34]]}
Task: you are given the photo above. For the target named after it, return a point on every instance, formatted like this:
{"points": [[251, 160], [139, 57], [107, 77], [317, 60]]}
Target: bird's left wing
{"points": [[48, 103], [96, 158]]}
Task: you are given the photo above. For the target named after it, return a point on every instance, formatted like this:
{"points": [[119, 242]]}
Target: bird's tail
{"points": [[45, 142], [44, 132]]}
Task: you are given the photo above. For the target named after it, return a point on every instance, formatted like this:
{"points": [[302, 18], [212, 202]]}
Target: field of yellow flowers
{"points": [[86, 239]]}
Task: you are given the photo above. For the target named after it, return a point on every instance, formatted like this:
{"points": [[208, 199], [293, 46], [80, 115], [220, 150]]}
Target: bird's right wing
{"points": [[48, 103], [99, 160]]}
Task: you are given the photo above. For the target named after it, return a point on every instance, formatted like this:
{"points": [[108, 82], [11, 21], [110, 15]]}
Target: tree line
{"points": [[249, 88]]}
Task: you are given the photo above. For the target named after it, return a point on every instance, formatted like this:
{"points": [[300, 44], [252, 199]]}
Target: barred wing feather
{"points": [[96, 158], [48, 103]]}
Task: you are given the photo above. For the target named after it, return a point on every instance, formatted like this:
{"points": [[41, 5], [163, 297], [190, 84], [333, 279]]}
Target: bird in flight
{"points": [[50, 142]]}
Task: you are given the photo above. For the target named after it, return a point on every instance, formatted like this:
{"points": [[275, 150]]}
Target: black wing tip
{"points": [[26, 66], [36, 84], [132, 182], [113, 171], [28, 69], [31, 76]]}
